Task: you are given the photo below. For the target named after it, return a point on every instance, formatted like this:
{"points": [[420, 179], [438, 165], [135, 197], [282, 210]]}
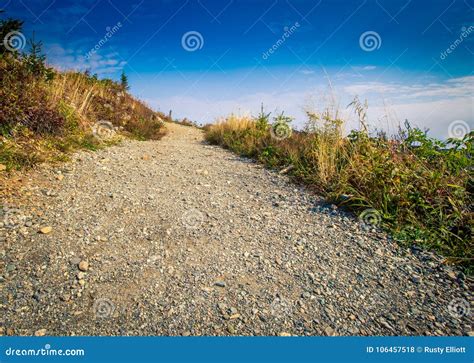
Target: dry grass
{"points": [[43, 118], [422, 194]]}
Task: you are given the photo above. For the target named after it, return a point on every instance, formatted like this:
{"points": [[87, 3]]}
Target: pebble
{"points": [[40, 333], [81, 275], [83, 265], [154, 276], [329, 331], [46, 230]]}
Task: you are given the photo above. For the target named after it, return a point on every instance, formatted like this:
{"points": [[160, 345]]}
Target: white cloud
{"points": [[432, 106], [75, 59], [364, 68], [455, 87]]}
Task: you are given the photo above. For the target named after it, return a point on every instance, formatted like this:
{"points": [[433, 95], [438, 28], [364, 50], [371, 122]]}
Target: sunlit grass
{"points": [[422, 188]]}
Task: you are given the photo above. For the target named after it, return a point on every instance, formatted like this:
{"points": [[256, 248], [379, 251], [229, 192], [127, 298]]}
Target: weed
{"points": [[421, 187]]}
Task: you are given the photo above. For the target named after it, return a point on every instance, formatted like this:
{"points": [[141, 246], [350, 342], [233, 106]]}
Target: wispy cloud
{"points": [[75, 59], [430, 106], [455, 87]]}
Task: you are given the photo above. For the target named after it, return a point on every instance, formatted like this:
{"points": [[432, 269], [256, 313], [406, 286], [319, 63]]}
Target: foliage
{"points": [[45, 113], [124, 81], [422, 187]]}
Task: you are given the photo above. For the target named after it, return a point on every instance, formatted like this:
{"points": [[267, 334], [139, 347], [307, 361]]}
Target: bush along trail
{"points": [[169, 235], [178, 237], [418, 188], [45, 113]]}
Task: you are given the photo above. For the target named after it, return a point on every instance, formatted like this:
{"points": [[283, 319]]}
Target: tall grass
{"points": [[417, 187], [45, 114]]}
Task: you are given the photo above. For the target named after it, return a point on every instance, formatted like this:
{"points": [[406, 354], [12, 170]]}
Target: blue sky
{"points": [[323, 53]]}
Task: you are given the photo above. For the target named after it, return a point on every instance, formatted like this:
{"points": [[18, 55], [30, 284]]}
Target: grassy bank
{"points": [[418, 188], [45, 114]]}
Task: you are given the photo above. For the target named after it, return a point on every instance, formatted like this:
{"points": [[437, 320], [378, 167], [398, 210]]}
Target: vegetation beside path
{"points": [[417, 187]]}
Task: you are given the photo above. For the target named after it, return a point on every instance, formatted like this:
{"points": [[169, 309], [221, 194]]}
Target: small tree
{"points": [[36, 60], [262, 120], [124, 81]]}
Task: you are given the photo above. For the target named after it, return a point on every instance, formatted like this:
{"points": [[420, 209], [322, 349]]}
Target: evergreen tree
{"points": [[35, 61], [124, 81]]}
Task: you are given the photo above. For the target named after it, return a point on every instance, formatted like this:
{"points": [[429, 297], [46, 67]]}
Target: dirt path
{"points": [[182, 238]]}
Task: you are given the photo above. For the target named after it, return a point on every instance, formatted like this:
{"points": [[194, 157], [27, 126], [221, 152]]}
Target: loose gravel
{"points": [[176, 237]]}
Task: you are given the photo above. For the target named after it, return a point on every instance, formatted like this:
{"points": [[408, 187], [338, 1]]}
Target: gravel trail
{"points": [[176, 237]]}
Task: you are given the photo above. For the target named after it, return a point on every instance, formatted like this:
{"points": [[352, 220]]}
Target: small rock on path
{"points": [[197, 241]]}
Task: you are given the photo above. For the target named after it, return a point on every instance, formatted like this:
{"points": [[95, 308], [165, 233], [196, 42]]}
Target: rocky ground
{"points": [[176, 237]]}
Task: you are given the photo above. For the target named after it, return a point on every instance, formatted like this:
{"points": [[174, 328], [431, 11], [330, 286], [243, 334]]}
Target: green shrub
{"points": [[421, 187]]}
